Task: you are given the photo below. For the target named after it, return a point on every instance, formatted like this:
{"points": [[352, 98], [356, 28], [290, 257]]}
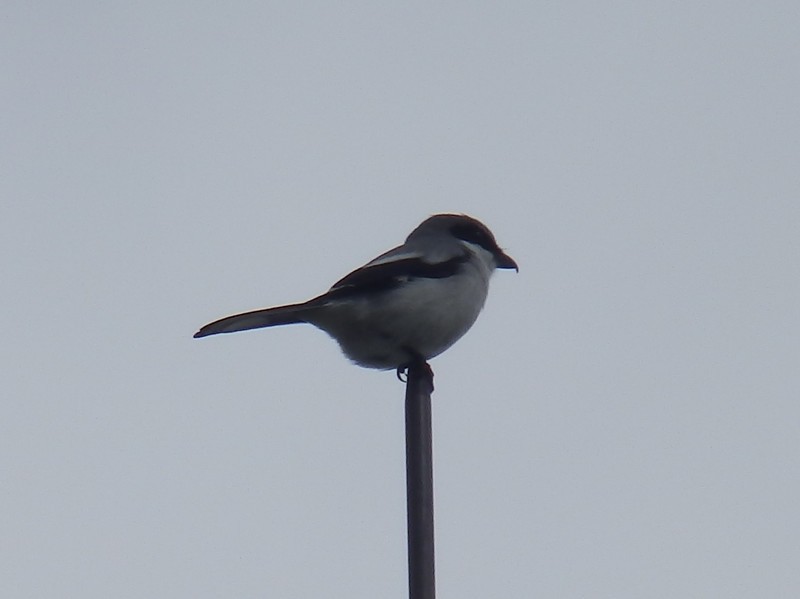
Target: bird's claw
{"points": [[402, 371], [425, 368]]}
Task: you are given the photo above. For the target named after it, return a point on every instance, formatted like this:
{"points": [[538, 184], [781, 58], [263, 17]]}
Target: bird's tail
{"points": [[257, 319]]}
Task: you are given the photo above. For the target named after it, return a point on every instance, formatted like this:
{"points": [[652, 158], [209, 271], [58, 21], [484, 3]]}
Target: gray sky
{"points": [[622, 421]]}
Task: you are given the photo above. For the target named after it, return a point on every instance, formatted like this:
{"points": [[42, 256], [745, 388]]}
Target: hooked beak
{"points": [[503, 260]]}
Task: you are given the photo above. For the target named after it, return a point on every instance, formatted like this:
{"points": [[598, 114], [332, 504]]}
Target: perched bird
{"points": [[405, 306]]}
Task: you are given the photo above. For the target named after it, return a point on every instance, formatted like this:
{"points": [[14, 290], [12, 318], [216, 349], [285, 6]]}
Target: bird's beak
{"points": [[503, 260]]}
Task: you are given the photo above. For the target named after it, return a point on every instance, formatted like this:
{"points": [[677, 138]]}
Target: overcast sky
{"points": [[622, 421]]}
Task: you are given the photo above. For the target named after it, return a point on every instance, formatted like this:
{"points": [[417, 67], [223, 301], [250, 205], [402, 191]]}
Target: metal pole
{"points": [[419, 482]]}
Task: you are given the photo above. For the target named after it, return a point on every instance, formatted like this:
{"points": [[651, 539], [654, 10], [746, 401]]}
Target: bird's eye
{"points": [[473, 234]]}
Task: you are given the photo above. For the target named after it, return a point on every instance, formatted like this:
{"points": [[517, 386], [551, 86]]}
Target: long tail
{"points": [[257, 319]]}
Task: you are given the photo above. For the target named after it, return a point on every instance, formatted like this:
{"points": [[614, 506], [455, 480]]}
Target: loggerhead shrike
{"points": [[405, 306]]}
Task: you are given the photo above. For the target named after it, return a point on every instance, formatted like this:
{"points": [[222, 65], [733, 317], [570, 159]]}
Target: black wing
{"points": [[386, 276]]}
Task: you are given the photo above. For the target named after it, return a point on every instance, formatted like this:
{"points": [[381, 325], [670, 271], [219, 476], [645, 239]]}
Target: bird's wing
{"points": [[391, 269]]}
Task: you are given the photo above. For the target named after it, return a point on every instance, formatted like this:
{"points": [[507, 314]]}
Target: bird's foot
{"points": [[402, 373], [419, 365]]}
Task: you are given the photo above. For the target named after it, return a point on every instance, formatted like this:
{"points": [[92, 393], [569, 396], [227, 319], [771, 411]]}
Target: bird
{"points": [[404, 307]]}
